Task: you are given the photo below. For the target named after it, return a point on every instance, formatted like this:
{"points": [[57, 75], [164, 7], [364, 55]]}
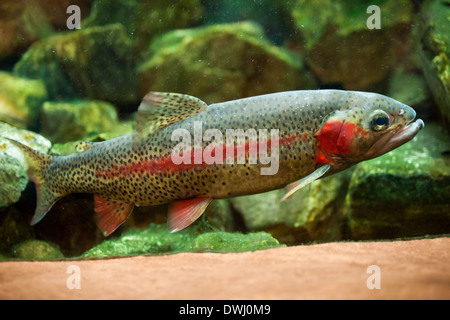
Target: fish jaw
{"points": [[395, 140], [404, 131]]}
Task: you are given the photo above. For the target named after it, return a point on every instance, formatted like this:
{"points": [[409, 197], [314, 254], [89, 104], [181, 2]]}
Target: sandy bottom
{"points": [[416, 269]]}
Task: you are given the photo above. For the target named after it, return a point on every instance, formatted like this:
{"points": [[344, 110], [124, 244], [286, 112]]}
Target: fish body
{"points": [[187, 153]]}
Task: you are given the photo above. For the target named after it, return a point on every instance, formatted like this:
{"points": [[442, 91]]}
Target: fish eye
{"points": [[380, 120]]}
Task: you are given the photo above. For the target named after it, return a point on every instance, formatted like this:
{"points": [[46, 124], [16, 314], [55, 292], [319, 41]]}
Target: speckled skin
{"points": [[132, 170]]}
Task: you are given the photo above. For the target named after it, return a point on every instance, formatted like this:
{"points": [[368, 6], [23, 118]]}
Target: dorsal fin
{"points": [[161, 109]]}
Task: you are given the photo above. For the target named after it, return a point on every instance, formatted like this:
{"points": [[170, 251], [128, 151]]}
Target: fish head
{"points": [[367, 127]]}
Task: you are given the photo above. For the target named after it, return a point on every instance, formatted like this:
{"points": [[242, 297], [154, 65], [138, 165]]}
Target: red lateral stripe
{"points": [[164, 164]]}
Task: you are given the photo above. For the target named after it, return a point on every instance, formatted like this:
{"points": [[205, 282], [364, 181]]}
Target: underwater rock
{"points": [[20, 100], [13, 176], [56, 10], [68, 121], [93, 63], [14, 228], [408, 88], [219, 215], [339, 47], [156, 239], [144, 19], [313, 213], [21, 23], [270, 14], [404, 193], [234, 242], [434, 53], [259, 210], [70, 224], [37, 250], [411, 89], [221, 62], [120, 129]]}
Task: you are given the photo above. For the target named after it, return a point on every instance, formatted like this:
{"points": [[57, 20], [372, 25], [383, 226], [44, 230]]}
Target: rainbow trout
{"points": [[187, 153]]}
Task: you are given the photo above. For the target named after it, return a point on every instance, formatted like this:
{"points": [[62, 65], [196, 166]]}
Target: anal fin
{"points": [[295, 186], [184, 212], [110, 214]]}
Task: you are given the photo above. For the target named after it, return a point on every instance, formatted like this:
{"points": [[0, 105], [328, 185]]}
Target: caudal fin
{"points": [[37, 163]]}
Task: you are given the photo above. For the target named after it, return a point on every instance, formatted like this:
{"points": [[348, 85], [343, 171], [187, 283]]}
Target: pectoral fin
{"points": [[161, 109], [184, 212], [294, 187]]}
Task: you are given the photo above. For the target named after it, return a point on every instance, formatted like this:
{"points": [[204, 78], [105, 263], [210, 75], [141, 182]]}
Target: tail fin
{"points": [[37, 163]]}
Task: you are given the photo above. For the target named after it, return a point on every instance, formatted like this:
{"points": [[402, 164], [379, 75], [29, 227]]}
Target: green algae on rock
{"points": [[233, 242], [143, 19], [121, 128], [64, 121], [156, 239], [20, 100], [340, 49], [21, 23], [409, 88], [94, 63], [37, 250], [13, 176], [271, 15], [403, 193], [14, 223], [434, 53], [221, 62]]}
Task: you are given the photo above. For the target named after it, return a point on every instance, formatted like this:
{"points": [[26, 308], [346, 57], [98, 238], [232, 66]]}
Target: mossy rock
{"points": [[92, 63], [156, 239], [37, 250], [405, 192], [21, 23], [13, 175], [121, 128], [409, 88], [143, 19], [75, 120], [14, 221], [234, 242], [221, 62], [342, 50], [434, 52], [21, 100]]}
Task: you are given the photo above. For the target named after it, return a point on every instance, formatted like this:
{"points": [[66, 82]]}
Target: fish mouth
{"points": [[395, 139]]}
